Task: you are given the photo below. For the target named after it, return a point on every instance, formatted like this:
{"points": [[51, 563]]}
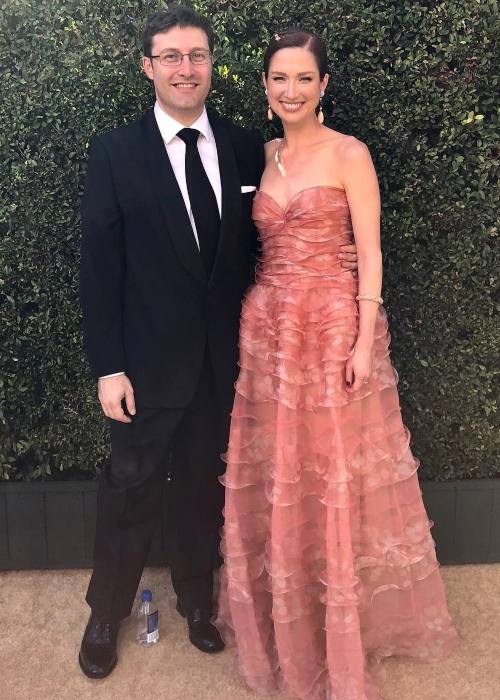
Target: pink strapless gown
{"points": [[329, 561]]}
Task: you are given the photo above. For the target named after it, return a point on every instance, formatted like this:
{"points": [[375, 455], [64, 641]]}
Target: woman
{"points": [[329, 562]]}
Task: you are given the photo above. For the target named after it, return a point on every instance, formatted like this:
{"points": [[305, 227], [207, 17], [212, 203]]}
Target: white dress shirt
{"points": [[176, 151]]}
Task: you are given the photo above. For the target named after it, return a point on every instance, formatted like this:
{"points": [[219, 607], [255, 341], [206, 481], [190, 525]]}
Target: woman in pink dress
{"points": [[329, 561]]}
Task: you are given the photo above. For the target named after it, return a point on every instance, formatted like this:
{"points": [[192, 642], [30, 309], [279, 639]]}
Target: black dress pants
{"points": [[132, 495]]}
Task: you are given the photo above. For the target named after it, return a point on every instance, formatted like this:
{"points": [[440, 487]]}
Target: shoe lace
{"points": [[104, 629]]}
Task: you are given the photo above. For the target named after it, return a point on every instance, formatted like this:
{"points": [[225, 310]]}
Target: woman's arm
{"points": [[361, 185]]}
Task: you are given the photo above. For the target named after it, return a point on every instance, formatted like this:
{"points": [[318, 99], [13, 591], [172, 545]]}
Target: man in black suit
{"points": [[165, 263], [166, 252]]}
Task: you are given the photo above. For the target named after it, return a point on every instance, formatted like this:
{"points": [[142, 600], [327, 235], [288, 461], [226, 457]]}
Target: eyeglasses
{"points": [[174, 58]]}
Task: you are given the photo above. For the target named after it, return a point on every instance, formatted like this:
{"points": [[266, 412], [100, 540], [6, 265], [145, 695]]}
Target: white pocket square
{"points": [[247, 188]]}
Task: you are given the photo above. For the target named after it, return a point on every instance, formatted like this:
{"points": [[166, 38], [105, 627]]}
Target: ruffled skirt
{"points": [[329, 561]]}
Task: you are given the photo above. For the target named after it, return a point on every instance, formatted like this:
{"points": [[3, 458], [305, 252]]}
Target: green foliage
{"points": [[415, 80]]}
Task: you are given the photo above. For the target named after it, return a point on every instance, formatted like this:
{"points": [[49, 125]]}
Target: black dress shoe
{"points": [[98, 651], [202, 634]]}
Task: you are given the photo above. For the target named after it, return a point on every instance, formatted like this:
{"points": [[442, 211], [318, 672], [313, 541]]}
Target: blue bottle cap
{"points": [[146, 596]]}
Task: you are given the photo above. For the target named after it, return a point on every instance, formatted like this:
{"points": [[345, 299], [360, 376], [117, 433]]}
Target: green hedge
{"points": [[415, 80]]}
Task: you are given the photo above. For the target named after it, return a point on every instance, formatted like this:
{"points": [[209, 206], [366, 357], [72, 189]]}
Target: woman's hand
{"points": [[348, 257], [358, 367]]}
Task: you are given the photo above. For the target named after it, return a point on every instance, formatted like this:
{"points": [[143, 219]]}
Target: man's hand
{"points": [[111, 392], [348, 257]]}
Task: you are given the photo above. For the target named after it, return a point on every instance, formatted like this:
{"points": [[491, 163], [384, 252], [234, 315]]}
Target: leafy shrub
{"points": [[415, 80]]}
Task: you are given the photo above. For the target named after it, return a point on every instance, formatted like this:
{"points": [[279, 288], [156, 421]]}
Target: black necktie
{"points": [[202, 198]]}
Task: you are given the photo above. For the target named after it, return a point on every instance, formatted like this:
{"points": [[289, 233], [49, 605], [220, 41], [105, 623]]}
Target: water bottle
{"points": [[147, 621]]}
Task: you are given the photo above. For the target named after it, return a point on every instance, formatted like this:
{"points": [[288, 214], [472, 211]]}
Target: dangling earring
{"points": [[270, 114], [321, 116]]}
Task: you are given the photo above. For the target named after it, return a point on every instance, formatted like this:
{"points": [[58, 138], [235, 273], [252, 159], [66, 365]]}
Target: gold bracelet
{"points": [[369, 297]]}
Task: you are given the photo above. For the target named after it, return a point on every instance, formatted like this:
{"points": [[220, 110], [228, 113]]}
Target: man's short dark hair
{"points": [[175, 16]]}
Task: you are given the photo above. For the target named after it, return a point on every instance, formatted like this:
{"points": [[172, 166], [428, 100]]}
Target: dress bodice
{"points": [[301, 241]]}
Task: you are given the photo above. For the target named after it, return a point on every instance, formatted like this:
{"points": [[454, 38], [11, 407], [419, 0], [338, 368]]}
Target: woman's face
{"points": [[293, 84]]}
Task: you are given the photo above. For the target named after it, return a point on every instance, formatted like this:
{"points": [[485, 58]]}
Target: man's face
{"points": [[180, 90]]}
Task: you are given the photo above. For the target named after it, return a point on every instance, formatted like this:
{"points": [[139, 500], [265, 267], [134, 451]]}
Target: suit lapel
{"points": [[231, 196], [167, 191]]}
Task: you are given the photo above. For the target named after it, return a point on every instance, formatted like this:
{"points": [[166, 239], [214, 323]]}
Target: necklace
{"points": [[278, 159]]}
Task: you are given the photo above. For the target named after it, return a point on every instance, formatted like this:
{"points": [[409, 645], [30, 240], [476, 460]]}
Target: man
{"points": [[167, 237]]}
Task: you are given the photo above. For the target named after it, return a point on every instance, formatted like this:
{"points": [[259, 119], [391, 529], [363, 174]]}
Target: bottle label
{"points": [[152, 622]]}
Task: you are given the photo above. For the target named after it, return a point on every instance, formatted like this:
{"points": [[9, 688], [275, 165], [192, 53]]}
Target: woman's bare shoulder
{"points": [[345, 145], [351, 148], [347, 155]]}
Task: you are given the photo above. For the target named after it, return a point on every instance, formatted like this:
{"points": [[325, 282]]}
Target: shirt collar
{"points": [[169, 127]]}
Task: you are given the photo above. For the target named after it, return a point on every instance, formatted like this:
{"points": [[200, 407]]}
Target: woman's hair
{"points": [[175, 16], [298, 38]]}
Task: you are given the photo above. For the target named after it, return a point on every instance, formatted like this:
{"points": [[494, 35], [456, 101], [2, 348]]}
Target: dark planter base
{"points": [[51, 525]]}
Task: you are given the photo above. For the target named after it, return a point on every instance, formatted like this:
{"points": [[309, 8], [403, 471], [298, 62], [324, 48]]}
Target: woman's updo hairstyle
{"points": [[302, 39]]}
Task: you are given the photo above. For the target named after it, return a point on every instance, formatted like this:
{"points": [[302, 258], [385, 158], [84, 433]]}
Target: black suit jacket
{"points": [[148, 307]]}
